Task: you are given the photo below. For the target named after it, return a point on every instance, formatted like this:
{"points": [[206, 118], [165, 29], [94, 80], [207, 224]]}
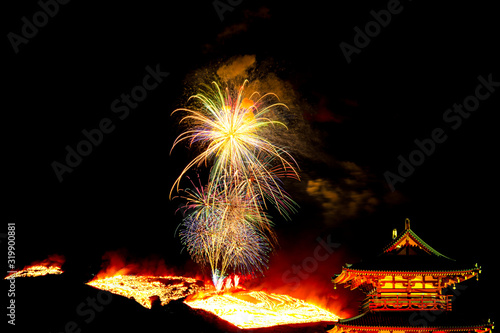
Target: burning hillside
{"points": [[148, 280], [255, 309], [51, 265], [143, 289], [230, 302], [240, 307]]}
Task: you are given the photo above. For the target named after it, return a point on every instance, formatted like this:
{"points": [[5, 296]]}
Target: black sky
{"points": [[396, 90]]}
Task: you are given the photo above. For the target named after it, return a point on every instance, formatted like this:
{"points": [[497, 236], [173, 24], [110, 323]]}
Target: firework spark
{"points": [[226, 233], [230, 132], [225, 226]]}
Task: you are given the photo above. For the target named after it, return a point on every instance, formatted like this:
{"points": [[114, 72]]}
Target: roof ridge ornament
{"points": [[407, 224]]}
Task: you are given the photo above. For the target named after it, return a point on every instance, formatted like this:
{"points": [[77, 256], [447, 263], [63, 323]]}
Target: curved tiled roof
{"points": [[418, 261], [407, 236], [413, 320], [407, 254]]}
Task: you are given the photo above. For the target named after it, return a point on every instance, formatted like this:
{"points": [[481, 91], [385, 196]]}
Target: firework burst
{"points": [[225, 226], [226, 232], [228, 131]]}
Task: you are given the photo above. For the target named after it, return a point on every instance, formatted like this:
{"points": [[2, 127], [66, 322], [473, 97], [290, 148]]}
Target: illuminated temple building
{"points": [[405, 290]]}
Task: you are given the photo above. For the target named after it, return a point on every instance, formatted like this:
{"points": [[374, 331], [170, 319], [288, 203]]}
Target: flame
{"points": [[242, 308], [255, 309], [120, 262], [51, 265], [245, 308], [236, 305], [143, 289], [142, 279]]}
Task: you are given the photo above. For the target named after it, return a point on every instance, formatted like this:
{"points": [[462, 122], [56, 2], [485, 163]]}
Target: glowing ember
{"points": [[231, 302], [143, 288], [51, 265], [242, 308], [33, 271], [253, 309]]}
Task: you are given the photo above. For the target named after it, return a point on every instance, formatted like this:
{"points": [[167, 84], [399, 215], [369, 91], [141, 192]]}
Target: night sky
{"points": [[358, 105]]}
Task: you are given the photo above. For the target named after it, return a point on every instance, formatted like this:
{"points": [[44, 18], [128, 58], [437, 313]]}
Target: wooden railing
{"points": [[378, 302]]}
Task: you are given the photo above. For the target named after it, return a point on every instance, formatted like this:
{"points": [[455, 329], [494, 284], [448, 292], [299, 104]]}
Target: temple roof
{"points": [[409, 253], [414, 320], [417, 263], [408, 242]]}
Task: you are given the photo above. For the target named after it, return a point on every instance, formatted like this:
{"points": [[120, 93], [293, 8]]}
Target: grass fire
{"points": [[149, 281], [51, 265]]}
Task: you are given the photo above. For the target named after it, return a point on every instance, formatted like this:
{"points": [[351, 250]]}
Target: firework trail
{"points": [[225, 226], [226, 232]]}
